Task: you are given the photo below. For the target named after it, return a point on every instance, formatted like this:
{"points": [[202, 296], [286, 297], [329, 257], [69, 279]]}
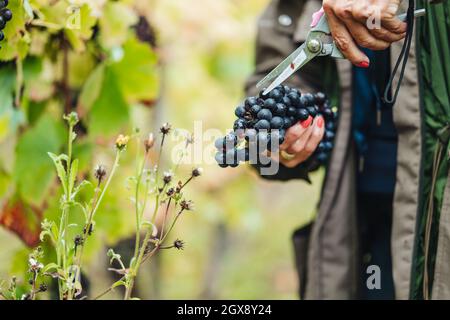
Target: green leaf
{"points": [[10, 117], [50, 266], [33, 172], [60, 170], [79, 24], [118, 284], [73, 176], [110, 112], [92, 87], [137, 72]]}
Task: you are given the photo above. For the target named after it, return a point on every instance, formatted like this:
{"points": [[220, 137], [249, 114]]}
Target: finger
{"points": [[384, 34], [344, 40], [301, 142], [316, 137], [317, 133], [379, 15], [359, 31], [295, 132], [363, 37], [394, 25]]}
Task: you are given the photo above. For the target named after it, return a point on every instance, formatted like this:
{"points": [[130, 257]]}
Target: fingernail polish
{"points": [[363, 64], [320, 122], [307, 122]]}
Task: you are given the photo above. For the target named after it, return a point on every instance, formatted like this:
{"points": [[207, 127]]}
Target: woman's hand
{"points": [[301, 141], [371, 24]]}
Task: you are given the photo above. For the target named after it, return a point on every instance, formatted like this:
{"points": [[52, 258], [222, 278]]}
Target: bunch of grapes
{"points": [[5, 16], [262, 123]]}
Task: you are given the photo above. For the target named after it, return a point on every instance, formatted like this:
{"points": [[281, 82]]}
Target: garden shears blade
{"points": [[319, 42]]}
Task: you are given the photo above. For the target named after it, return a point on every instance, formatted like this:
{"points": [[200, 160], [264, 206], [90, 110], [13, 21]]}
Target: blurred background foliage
{"points": [[117, 78]]}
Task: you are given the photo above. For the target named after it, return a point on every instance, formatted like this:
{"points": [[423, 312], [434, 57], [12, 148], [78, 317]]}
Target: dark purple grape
{"points": [[286, 101], [264, 114], [276, 123], [2, 22], [239, 112], [309, 98], [255, 109], [239, 124], [262, 125], [312, 111], [7, 15], [302, 114], [250, 101], [329, 125], [288, 122], [276, 95], [320, 98], [322, 157], [270, 104], [295, 99], [329, 135], [280, 110], [291, 111]]}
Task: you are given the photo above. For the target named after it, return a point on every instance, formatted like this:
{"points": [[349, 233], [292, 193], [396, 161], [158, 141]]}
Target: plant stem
{"points": [[137, 212], [97, 202], [19, 82]]}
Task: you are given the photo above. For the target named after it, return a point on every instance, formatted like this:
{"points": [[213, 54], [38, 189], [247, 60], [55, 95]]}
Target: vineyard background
{"points": [[238, 239]]}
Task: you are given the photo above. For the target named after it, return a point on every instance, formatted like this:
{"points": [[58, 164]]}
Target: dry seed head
{"points": [[100, 173], [165, 129]]}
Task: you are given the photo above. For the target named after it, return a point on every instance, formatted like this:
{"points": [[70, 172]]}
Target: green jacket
{"points": [[326, 251]]}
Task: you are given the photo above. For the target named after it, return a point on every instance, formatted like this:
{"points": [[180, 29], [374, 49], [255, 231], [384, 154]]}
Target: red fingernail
{"points": [[320, 122], [307, 122], [363, 64]]}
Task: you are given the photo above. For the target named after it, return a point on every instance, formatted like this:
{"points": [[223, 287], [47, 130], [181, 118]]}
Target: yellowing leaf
{"points": [[115, 22]]}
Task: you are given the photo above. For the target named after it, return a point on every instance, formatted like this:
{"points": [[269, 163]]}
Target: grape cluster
{"points": [[262, 123], [5, 16]]}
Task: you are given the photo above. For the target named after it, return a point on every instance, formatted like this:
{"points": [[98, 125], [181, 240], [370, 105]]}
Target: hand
{"points": [[352, 23], [301, 140]]}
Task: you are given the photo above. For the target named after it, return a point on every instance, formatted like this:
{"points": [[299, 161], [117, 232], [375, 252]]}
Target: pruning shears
{"points": [[319, 42]]}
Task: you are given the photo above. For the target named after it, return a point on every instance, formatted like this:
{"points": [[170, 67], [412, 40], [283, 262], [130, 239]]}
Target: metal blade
{"points": [[299, 61], [265, 82]]}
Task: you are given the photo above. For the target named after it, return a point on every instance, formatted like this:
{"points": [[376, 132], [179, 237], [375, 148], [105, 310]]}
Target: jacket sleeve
{"points": [[276, 39]]}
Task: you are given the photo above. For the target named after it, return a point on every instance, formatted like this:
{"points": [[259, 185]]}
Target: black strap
{"points": [[403, 57]]}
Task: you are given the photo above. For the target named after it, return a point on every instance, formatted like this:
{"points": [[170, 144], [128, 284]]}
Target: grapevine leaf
{"points": [[137, 72], [110, 111], [34, 178], [115, 22], [92, 87]]}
